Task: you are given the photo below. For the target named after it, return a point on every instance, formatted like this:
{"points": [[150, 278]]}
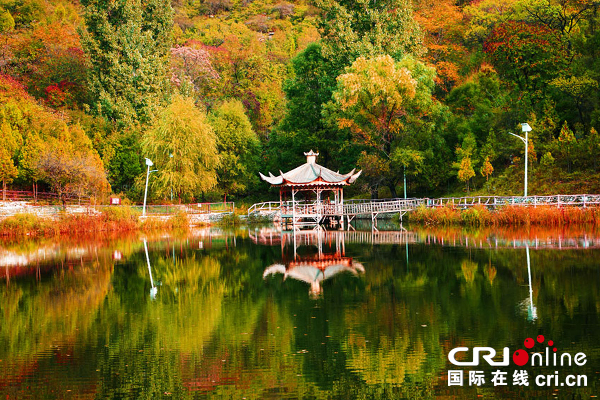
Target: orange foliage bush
{"points": [[479, 215]]}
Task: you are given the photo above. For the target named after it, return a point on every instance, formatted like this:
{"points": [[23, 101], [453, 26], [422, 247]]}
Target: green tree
{"points": [[29, 160], [303, 127], [126, 163], [128, 44], [592, 148], [183, 146], [8, 171], [238, 147], [353, 28], [566, 143]]}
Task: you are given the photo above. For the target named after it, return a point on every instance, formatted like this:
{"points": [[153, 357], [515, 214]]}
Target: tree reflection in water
{"points": [[217, 328]]}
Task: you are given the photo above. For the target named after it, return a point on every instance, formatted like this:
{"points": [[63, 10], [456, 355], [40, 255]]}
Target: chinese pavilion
{"points": [[311, 178]]}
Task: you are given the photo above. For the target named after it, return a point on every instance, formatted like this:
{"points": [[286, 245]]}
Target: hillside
{"points": [[424, 88]]}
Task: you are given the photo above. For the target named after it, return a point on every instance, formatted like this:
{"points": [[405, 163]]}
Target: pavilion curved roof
{"points": [[311, 174]]}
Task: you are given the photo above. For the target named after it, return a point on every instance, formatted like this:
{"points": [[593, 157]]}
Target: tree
{"points": [[354, 28], [128, 44], [466, 172], [238, 147], [465, 163], [528, 54], [443, 28], [580, 89], [303, 127], [8, 171], [592, 146], [29, 161], [183, 147], [379, 101], [566, 142], [192, 67], [72, 171], [486, 168]]}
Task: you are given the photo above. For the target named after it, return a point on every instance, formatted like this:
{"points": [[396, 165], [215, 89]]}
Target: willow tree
{"points": [[128, 43], [183, 147]]}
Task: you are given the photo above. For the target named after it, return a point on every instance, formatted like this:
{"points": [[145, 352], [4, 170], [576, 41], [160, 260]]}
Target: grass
{"points": [[112, 219], [479, 215]]}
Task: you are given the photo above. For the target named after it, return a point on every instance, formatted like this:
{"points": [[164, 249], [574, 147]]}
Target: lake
{"points": [[260, 313]]}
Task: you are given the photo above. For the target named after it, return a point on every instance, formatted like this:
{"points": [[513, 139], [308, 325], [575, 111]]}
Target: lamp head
{"points": [[149, 163], [525, 127]]}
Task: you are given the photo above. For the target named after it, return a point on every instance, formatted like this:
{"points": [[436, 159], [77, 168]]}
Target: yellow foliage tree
{"points": [[183, 147]]}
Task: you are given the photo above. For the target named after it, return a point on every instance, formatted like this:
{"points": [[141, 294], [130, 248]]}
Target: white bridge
{"points": [[313, 213]]}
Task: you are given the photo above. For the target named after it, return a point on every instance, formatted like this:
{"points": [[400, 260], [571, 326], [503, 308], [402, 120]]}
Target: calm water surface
{"points": [[262, 314]]}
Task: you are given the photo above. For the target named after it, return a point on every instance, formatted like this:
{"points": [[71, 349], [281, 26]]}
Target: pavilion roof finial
{"points": [[311, 157]]}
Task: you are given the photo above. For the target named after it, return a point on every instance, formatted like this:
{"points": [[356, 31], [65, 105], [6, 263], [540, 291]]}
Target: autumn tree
{"points": [[528, 54], [442, 22], [465, 171], [238, 147], [128, 45], [377, 99], [182, 145], [486, 168], [465, 163], [192, 69], [71, 167]]}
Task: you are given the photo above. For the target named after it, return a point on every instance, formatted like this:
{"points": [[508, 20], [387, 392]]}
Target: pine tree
{"points": [[128, 43]]}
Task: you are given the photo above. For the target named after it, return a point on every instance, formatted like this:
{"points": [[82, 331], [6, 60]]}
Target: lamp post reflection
{"points": [[531, 309], [153, 289]]}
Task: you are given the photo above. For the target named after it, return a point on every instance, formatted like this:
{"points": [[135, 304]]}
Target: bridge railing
{"points": [[554, 200], [365, 206]]}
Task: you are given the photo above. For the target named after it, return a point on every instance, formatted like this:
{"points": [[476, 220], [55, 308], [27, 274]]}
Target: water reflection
{"points": [[314, 268], [153, 289], [215, 328]]}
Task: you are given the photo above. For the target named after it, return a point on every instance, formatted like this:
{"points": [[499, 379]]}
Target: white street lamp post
{"points": [[525, 128], [149, 164]]}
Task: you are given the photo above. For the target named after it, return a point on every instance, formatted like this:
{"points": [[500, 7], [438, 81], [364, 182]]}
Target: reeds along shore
{"points": [[479, 215], [120, 219]]}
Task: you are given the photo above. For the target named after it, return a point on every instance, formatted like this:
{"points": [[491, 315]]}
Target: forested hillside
{"points": [[214, 91]]}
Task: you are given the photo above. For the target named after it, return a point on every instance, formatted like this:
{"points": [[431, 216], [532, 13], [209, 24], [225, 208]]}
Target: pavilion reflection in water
{"points": [[313, 267]]}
